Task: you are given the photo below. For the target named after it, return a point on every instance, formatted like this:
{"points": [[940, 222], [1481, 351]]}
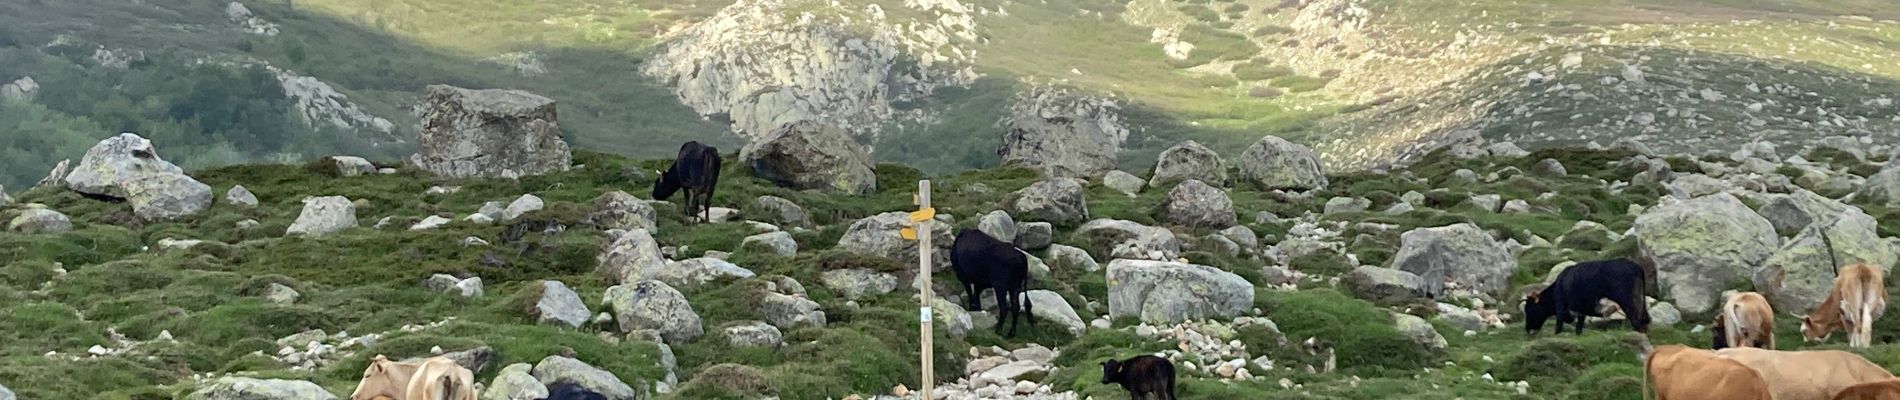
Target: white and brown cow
{"points": [[1858, 299]]}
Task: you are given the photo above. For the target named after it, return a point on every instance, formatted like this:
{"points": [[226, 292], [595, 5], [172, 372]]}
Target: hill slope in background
{"points": [[1363, 81]]}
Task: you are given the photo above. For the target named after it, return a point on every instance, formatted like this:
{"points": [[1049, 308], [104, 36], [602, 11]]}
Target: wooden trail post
{"points": [[923, 218]]}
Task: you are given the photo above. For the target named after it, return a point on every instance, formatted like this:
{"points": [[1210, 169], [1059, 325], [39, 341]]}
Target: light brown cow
{"points": [[1807, 375], [1858, 299], [1683, 373], [384, 380], [1748, 321], [1882, 390], [440, 378]]}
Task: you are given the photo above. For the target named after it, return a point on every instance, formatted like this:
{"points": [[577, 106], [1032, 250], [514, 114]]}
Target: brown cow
{"points": [[441, 378], [1748, 321], [1881, 390], [1807, 375], [1859, 297], [1683, 373], [384, 379]]}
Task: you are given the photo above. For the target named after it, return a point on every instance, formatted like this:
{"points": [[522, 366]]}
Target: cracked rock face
{"points": [[844, 66], [489, 133], [1063, 133]]}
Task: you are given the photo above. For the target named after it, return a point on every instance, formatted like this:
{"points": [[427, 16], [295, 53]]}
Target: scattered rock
{"points": [[1385, 285], [236, 388], [444, 283], [1063, 133], [1420, 331], [559, 305], [878, 235], [1516, 206], [783, 212], [1792, 212], [1036, 236], [1344, 205], [1195, 204], [515, 382], [1883, 188], [348, 166], [700, 271], [775, 243], [633, 256], [1189, 160], [1274, 163], [128, 167], [1462, 255], [1506, 150], [1487, 202], [277, 293], [1127, 239], [323, 216], [38, 221], [241, 197], [619, 210], [523, 205], [656, 306], [1167, 292], [431, 222], [1066, 257], [858, 283], [787, 312], [1550, 167], [1050, 307], [810, 155], [556, 370], [754, 334], [1702, 246], [1123, 182], [999, 225], [1242, 236], [1050, 200]]}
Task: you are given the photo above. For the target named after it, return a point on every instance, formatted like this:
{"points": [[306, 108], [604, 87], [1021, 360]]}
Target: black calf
{"points": [[696, 170], [569, 391], [982, 262], [1142, 376], [1580, 288]]}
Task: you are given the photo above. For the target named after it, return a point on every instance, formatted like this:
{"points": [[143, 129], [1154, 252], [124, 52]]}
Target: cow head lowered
{"points": [[666, 186], [1536, 311]]}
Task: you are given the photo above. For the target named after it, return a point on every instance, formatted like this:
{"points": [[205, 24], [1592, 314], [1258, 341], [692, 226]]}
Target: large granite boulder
{"points": [[37, 220], [1167, 292], [1703, 246], [555, 370], [700, 271], [879, 235], [488, 133], [323, 216], [1063, 133], [1792, 212], [1884, 187], [128, 167], [810, 155], [237, 388], [1800, 274], [619, 210], [778, 210], [631, 256], [652, 305], [559, 305], [515, 382], [1050, 200], [1128, 239], [1274, 163], [1385, 285], [1195, 204], [1189, 160], [1462, 256]]}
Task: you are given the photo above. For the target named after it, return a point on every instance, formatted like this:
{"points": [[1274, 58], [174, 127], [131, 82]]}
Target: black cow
{"points": [[696, 170], [982, 262], [1720, 336], [1580, 288], [569, 391], [1143, 377]]}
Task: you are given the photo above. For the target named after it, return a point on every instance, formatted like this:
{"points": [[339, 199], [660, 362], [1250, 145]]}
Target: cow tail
{"points": [[449, 388]]}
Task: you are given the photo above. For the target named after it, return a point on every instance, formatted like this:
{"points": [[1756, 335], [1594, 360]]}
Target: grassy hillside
{"points": [[118, 281]]}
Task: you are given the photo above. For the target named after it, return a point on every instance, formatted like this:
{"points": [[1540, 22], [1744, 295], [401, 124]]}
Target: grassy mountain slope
{"points": [[118, 281]]}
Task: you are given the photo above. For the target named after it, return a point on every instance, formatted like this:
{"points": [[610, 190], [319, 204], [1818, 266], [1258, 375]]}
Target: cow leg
{"points": [[1633, 314], [1027, 307], [1005, 312]]}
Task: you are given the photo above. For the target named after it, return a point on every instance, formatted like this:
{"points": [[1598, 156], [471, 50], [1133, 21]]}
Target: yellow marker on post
{"points": [[908, 233]]}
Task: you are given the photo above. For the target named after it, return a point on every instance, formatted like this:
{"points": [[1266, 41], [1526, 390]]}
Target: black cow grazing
{"points": [[569, 391], [696, 170], [1720, 336], [1580, 288], [1143, 376], [982, 262]]}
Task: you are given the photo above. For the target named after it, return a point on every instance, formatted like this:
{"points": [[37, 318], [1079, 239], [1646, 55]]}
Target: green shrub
{"points": [[1260, 72], [1300, 84], [1200, 12], [1364, 337]]}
